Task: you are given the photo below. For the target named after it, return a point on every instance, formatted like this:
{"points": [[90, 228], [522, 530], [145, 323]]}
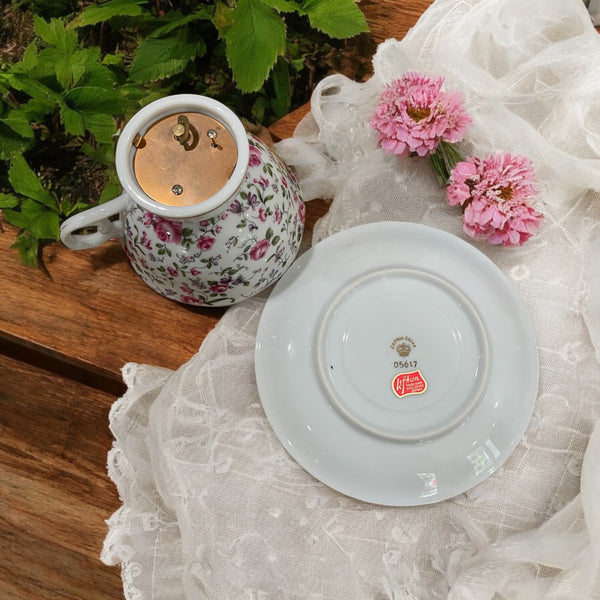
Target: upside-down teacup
{"points": [[209, 214]]}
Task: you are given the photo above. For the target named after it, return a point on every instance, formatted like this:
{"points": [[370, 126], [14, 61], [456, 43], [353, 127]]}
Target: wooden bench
{"points": [[63, 340]]}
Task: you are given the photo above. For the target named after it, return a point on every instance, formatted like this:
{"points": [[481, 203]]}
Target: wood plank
{"points": [[94, 312], [55, 494], [392, 18]]}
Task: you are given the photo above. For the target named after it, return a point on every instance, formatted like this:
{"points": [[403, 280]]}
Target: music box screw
{"points": [[179, 130], [177, 189], [212, 134]]}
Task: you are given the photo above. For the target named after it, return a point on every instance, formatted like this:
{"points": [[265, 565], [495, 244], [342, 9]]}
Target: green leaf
{"points": [[100, 125], [258, 108], [72, 120], [113, 59], [55, 34], [222, 18], [282, 101], [64, 72], [336, 18], [80, 63], [8, 201], [284, 6], [16, 218], [178, 20], [140, 95], [254, 41], [44, 224], [93, 109], [163, 58], [68, 209], [52, 64], [28, 248], [30, 58], [37, 219], [98, 76], [4, 90], [98, 13], [97, 99], [112, 188], [25, 182], [11, 143], [103, 153], [37, 109], [34, 88], [18, 121]]}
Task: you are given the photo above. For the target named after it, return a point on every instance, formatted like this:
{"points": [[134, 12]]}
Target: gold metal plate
{"points": [[180, 161]]}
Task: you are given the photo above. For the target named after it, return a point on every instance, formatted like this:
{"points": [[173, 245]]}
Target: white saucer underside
{"points": [[396, 364]]}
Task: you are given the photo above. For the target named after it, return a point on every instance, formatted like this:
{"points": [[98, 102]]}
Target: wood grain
{"points": [[60, 334], [392, 18], [93, 312], [55, 493]]}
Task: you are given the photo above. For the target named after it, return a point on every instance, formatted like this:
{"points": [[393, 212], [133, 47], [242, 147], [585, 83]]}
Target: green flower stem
{"points": [[444, 159]]}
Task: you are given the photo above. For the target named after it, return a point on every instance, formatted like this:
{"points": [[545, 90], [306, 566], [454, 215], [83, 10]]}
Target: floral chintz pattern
{"points": [[222, 259]]}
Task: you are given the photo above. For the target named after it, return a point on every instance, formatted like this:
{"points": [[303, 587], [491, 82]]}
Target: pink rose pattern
{"points": [[260, 249], [206, 242], [206, 261], [167, 231]]}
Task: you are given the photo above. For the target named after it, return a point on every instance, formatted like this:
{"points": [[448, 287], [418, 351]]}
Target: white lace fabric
{"points": [[214, 508]]}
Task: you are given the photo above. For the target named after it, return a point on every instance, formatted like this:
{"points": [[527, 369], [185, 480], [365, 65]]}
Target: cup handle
{"points": [[98, 217]]}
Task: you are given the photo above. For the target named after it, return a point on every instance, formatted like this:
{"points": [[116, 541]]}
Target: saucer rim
{"points": [[280, 409]]}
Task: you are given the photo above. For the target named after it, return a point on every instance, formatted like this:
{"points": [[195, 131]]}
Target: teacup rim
{"points": [[142, 120]]}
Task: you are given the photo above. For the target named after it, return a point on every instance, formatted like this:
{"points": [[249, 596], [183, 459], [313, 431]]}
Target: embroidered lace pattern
{"points": [[212, 505]]}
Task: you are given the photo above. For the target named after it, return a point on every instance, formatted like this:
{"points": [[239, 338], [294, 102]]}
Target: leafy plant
{"points": [[86, 70], [58, 94]]}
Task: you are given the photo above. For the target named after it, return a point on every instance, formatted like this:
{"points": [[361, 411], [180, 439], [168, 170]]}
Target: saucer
{"points": [[396, 364]]}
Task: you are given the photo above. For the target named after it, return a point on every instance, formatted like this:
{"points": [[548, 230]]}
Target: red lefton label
{"points": [[406, 384]]}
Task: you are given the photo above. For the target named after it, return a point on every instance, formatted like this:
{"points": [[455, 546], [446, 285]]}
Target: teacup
{"points": [[209, 214]]}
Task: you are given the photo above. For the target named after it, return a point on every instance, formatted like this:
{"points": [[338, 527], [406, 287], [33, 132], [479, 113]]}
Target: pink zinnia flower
{"points": [[497, 195], [415, 115]]}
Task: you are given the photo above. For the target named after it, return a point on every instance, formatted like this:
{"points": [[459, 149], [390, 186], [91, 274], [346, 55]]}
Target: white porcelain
{"points": [[224, 249], [396, 364]]}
